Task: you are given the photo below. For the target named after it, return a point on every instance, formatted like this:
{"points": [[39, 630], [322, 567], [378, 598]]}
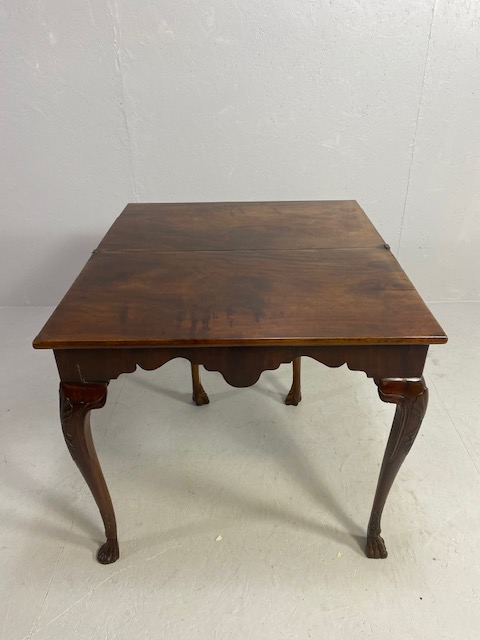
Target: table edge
{"points": [[145, 344]]}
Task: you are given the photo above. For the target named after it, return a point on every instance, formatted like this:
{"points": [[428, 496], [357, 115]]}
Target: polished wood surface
{"points": [[323, 276], [76, 402], [411, 398], [236, 226], [240, 289]]}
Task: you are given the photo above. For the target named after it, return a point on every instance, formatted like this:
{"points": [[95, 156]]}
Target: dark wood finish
{"points": [[240, 298], [295, 395], [240, 289], [198, 392], [294, 278], [200, 397], [411, 398], [76, 402], [240, 366], [236, 226]]}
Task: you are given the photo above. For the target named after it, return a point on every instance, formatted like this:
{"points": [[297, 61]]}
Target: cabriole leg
{"points": [[411, 397], [199, 396], [294, 395], [76, 402]]}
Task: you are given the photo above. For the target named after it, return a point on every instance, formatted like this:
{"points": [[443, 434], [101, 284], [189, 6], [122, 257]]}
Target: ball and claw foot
{"points": [[293, 397], [200, 397], [108, 552], [376, 547]]}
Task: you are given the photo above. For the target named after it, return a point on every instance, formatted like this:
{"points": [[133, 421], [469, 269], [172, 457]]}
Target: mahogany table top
{"points": [[231, 274]]}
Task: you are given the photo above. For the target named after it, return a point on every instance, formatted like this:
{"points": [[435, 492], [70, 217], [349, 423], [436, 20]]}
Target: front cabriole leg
{"points": [[76, 402], [411, 397]]}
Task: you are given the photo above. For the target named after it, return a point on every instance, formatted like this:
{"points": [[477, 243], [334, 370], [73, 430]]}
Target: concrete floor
{"points": [[288, 489]]}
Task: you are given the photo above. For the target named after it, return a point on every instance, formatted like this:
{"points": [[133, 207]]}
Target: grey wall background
{"points": [[110, 101]]}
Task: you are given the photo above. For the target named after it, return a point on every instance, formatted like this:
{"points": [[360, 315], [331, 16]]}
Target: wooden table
{"points": [[240, 288]]}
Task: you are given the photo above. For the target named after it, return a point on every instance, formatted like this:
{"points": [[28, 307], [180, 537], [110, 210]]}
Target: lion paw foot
{"points": [[376, 547], [108, 552], [200, 397]]}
